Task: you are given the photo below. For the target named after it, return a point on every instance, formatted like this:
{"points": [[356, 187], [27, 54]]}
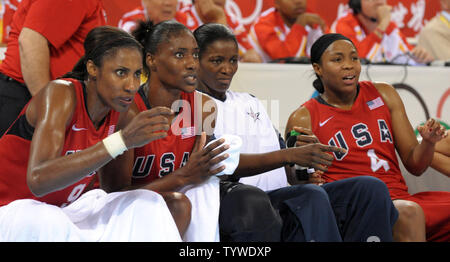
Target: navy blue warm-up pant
{"points": [[355, 209]]}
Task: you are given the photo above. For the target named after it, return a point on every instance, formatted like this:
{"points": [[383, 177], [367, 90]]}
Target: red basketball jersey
{"points": [[366, 132], [15, 149], [163, 156]]}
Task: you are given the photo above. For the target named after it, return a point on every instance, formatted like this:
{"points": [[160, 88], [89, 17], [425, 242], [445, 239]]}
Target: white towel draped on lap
{"points": [[137, 215], [205, 201], [205, 198]]}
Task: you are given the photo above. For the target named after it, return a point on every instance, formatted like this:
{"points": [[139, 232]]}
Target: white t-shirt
{"points": [[244, 115]]}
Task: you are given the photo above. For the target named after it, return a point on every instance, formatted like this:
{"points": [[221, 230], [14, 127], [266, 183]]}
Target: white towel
{"points": [[137, 215], [232, 162], [205, 198], [205, 201]]}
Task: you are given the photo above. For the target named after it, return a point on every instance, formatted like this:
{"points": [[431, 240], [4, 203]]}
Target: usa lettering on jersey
{"points": [[363, 139], [143, 165]]}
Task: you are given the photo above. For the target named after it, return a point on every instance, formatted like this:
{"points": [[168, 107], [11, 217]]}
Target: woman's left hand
{"points": [[432, 131]]}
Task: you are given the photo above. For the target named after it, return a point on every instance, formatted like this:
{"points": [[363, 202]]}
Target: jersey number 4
{"points": [[375, 162]]}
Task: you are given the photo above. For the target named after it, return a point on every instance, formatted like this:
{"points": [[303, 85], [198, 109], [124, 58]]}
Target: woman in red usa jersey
{"points": [[369, 120], [64, 135]]}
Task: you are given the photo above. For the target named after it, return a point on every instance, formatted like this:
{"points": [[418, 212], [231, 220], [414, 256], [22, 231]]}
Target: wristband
{"points": [[114, 144]]}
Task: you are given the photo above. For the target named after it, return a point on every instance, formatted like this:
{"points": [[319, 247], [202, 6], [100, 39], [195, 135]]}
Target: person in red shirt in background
{"points": [[45, 42], [376, 37], [213, 11], [154, 10], [7, 11], [286, 30]]}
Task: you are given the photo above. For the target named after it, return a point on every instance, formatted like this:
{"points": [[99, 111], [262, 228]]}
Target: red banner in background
{"points": [[410, 15], [7, 9]]}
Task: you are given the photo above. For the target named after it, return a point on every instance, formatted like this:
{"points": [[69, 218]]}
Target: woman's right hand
{"points": [[200, 165], [306, 136], [146, 127], [309, 152], [313, 155]]}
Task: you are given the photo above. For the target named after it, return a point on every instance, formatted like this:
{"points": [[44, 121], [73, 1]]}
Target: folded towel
{"points": [[232, 162]]}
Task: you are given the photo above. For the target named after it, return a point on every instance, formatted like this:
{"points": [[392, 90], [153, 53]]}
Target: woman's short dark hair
{"points": [[355, 5], [317, 49], [206, 34], [151, 35], [100, 42]]}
